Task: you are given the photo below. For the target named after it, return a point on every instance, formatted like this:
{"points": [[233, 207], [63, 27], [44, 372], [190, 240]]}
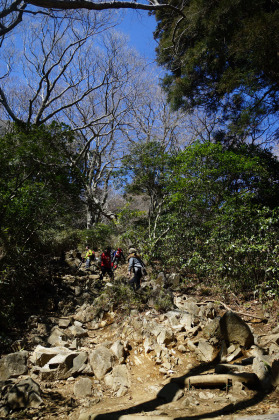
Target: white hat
{"points": [[132, 250]]}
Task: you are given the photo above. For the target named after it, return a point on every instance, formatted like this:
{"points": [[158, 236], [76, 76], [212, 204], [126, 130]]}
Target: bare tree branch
{"points": [[92, 5], [14, 12]]}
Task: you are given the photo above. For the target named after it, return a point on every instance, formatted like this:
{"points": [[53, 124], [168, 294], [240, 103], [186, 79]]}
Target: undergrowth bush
{"points": [[98, 236]]}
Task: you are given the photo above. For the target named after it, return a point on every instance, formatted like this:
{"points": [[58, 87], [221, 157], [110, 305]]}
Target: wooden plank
{"points": [[261, 417], [222, 379]]}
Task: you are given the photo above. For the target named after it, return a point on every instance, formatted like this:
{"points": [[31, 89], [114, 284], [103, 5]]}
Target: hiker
{"points": [[137, 267], [117, 258], [89, 256], [106, 264]]}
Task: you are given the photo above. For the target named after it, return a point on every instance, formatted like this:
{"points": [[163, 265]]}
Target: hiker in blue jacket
{"points": [[137, 267]]}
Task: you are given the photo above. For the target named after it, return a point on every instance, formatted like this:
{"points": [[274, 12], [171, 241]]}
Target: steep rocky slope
{"points": [[168, 352]]}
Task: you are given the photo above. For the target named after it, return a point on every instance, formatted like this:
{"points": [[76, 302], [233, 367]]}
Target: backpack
{"points": [[143, 269], [118, 253], [92, 256]]}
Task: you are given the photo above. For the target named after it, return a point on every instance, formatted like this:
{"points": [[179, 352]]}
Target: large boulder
{"points": [[13, 365], [58, 362], [235, 331], [101, 361], [42, 355]]}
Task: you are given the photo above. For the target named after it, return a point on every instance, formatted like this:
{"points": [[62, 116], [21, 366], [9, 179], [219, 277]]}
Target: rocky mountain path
{"points": [[95, 359]]}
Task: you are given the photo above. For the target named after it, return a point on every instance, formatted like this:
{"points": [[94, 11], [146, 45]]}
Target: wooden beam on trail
{"points": [[215, 380]]}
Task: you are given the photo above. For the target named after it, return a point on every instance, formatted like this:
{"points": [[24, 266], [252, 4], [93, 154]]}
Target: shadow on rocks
{"points": [[170, 391]]}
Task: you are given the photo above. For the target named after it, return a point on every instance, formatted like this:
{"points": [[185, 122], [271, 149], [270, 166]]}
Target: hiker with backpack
{"points": [[106, 264], [137, 267], [89, 256], [118, 255]]}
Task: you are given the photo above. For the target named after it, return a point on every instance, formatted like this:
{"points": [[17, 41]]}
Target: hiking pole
{"points": [[80, 264]]}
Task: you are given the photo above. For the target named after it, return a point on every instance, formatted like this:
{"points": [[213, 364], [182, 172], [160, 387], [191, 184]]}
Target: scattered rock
{"points": [[83, 388], [118, 378], [57, 337]]}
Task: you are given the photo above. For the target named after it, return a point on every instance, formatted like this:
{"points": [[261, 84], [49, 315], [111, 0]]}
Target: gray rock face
{"points": [[79, 363], [13, 365], [212, 329], [118, 350], [83, 388], [42, 355], [235, 331], [118, 378], [191, 307], [77, 331], [57, 337], [64, 322], [207, 351], [187, 320], [173, 318], [166, 336], [263, 372], [58, 362], [101, 361], [86, 313]]}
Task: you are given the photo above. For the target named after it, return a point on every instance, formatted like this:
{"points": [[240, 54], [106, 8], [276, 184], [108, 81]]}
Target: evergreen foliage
{"points": [[223, 211], [218, 216], [222, 52], [39, 193]]}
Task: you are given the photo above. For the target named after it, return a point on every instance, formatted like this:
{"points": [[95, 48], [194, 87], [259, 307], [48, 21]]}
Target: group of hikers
{"points": [[110, 260]]}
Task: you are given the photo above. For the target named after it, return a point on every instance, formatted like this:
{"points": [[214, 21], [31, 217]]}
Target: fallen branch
{"points": [[229, 309]]}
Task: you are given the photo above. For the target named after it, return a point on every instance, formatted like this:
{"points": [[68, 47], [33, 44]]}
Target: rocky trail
{"points": [[86, 357]]}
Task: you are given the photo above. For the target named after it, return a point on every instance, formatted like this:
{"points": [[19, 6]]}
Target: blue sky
{"points": [[139, 26]]}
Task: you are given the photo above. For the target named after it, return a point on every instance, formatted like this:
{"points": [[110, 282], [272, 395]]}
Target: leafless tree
{"points": [[53, 67], [153, 119], [100, 119], [86, 78]]}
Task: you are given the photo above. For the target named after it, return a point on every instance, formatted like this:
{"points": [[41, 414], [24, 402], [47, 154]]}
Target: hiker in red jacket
{"points": [[106, 264]]}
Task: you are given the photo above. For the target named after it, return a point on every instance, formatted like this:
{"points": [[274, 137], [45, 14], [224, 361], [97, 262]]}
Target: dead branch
{"points": [[229, 309]]}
